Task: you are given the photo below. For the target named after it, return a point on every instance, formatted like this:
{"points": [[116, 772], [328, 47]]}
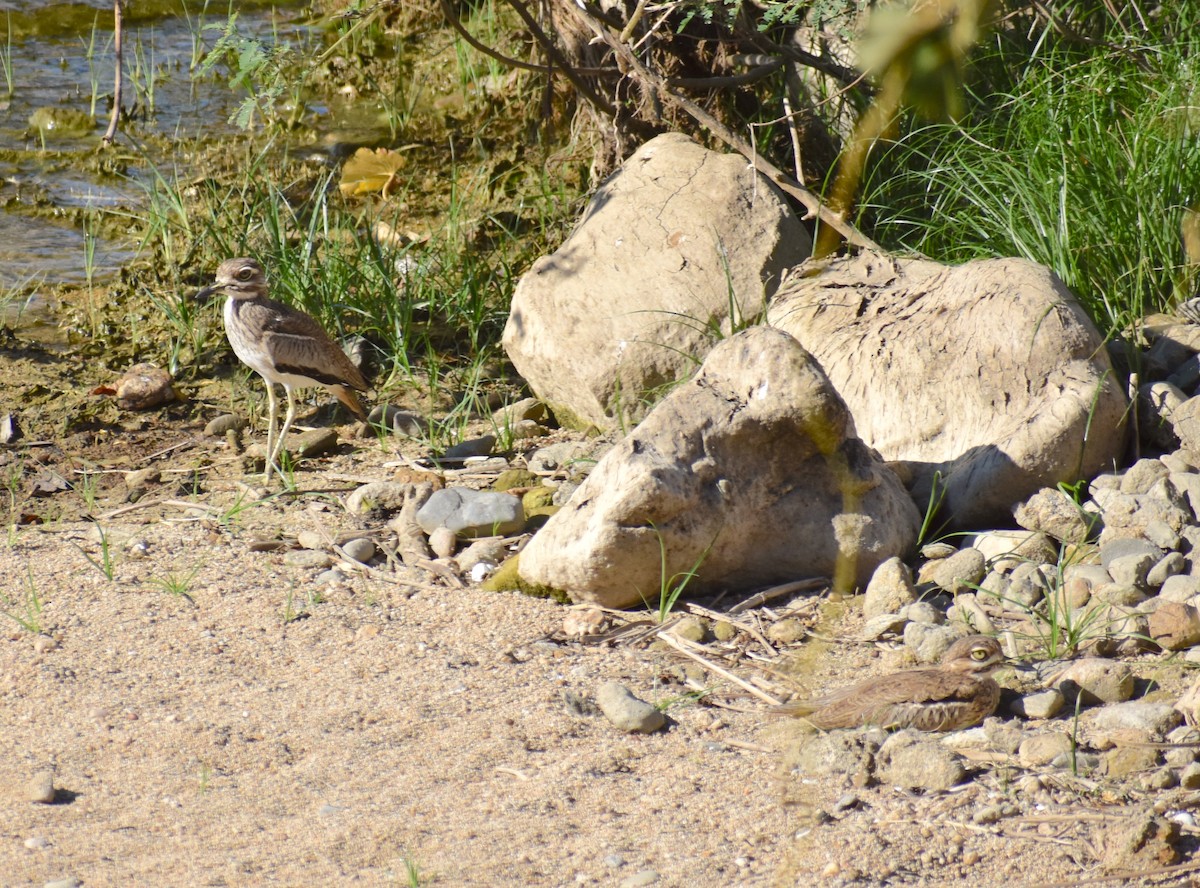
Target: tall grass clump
{"points": [[1080, 156]]}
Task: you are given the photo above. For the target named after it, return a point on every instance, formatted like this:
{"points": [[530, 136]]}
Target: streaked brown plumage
{"points": [[957, 694], [281, 344]]}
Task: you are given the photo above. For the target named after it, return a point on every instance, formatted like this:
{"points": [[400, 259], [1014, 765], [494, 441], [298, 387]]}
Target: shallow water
{"points": [[60, 56]]}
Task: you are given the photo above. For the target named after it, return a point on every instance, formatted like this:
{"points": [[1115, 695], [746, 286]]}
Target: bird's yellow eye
{"points": [[979, 654], [244, 274]]}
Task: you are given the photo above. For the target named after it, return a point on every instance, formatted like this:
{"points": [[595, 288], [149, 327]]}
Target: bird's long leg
{"points": [[273, 410], [287, 424]]}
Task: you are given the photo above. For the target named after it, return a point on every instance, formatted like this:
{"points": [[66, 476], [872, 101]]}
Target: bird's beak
{"points": [[206, 294]]}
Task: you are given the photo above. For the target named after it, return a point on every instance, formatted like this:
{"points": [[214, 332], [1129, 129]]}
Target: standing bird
{"points": [[283, 345], [957, 694]]}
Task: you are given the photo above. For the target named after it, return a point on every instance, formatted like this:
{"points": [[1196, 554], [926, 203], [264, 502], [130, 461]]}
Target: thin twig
{"points": [[678, 644]]}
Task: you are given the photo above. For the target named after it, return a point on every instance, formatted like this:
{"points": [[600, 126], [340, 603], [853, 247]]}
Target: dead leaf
{"points": [[370, 171]]}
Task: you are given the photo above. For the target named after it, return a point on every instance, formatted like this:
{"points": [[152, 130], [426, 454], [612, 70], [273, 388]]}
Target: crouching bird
{"points": [[957, 694], [283, 345]]}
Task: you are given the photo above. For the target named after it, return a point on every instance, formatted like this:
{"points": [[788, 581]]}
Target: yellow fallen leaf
{"points": [[370, 171]]}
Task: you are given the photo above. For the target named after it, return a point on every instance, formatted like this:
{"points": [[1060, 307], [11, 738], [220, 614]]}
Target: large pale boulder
{"points": [[750, 470], [677, 246], [988, 374]]}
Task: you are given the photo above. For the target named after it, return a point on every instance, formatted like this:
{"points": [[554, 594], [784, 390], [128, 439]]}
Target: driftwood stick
{"points": [[115, 117]]}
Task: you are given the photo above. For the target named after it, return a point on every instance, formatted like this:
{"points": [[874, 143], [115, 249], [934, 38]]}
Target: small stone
{"points": [[37, 843], [935, 551], [489, 550], [1096, 680], [1005, 549], [1174, 626], [1180, 588], [520, 411], [929, 643], [70, 882], [316, 442], [1143, 475], [143, 387], [884, 624], [377, 496], [1125, 547], [1131, 570], [1170, 565], [361, 550], [1189, 777], [1042, 704], [890, 588], [1053, 512], [311, 539], [444, 542], [626, 711], [41, 788], [958, 573], [692, 628], [330, 577], [472, 513], [1041, 749], [582, 622], [307, 559], [988, 814], [397, 421], [924, 613], [640, 879], [723, 630], [787, 631], [43, 644], [1123, 761], [481, 446], [219, 426], [1152, 720], [912, 762]]}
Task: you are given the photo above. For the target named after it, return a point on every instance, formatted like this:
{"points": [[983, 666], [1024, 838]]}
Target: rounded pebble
{"points": [[626, 711], [41, 788], [37, 843], [44, 644], [361, 550]]}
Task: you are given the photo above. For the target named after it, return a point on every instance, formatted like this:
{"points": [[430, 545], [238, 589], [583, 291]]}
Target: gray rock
{"points": [[626, 711], [1041, 704], [218, 426], [907, 760], [1171, 564], [640, 879], [69, 882], [1052, 512], [1180, 588], [398, 422], [481, 446], [1096, 680], [705, 465], [1028, 584], [1158, 403], [595, 329], [1154, 720], [890, 589], [524, 410], [1126, 547], [1130, 570], [472, 513], [1119, 594], [960, 572], [361, 550], [936, 550], [41, 788], [882, 625]]}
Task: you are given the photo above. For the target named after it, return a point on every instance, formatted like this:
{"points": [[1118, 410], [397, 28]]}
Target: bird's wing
{"points": [[879, 700]]}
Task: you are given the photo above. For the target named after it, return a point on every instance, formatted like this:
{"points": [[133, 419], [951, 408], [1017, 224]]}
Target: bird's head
{"points": [[974, 655], [239, 278]]}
